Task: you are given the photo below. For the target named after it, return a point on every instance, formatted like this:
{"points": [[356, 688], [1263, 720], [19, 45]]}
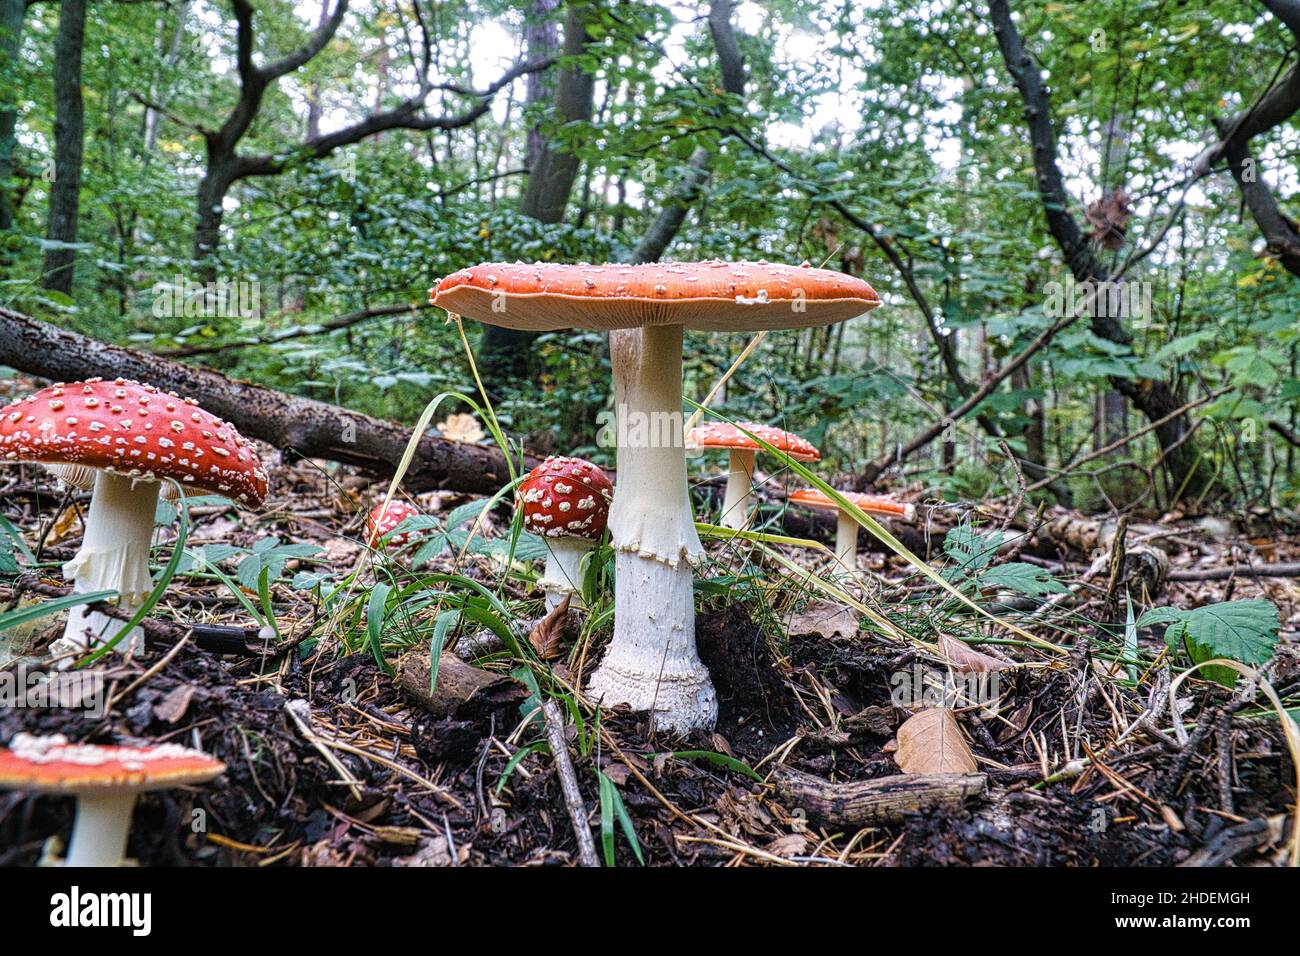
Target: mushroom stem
{"points": [[114, 555], [740, 483], [652, 664], [563, 574], [100, 830], [846, 539]]}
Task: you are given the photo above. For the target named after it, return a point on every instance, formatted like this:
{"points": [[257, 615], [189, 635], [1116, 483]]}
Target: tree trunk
{"points": [[297, 426], [11, 41], [65, 190], [506, 354], [216, 182]]}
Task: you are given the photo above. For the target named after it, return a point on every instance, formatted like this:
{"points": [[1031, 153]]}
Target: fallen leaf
{"points": [[967, 660], [931, 742], [547, 635], [172, 707], [66, 525], [824, 619], [461, 427], [792, 844]]}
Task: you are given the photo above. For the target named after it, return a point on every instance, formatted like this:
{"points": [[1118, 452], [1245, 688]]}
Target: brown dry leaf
{"points": [[66, 525], [1109, 218], [461, 427], [547, 635], [172, 707], [824, 619], [792, 844], [965, 659], [931, 742]]}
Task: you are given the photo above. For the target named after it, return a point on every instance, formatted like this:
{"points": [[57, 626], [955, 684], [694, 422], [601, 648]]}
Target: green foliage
{"points": [[1244, 631]]}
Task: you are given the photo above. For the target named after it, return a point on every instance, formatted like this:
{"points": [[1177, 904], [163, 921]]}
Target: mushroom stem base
{"points": [[652, 664], [100, 831]]}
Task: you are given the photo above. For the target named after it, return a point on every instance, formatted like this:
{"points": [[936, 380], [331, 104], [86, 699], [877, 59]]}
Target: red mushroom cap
{"points": [[135, 431], [382, 520], [871, 504], [716, 296], [52, 764], [566, 498], [726, 435]]}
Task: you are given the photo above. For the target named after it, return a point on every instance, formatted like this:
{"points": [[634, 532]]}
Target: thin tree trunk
{"points": [[11, 41], [506, 354], [69, 126]]}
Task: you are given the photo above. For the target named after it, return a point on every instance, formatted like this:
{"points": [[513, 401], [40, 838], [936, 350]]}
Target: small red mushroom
{"points": [[381, 521], [846, 527], [743, 449], [565, 501]]}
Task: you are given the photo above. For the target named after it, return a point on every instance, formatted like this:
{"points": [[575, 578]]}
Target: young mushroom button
{"points": [[381, 522], [565, 501], [652, 663], [129, 437], [738, 501]]}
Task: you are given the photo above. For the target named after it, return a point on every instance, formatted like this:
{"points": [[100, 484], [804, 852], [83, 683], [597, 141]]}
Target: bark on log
{"points": [[301, 427], [882, 801], [463, 691]]}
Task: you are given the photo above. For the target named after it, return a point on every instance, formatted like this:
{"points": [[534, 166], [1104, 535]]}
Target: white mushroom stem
{"points": [[740, 485], [101, 828], [652, 664], [564, 571], [114, 555], [846, 539]]}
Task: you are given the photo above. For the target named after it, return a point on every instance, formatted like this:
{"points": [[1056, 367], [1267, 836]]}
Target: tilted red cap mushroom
{"points": [[652, 663], [846, 528], [132, 437], [566, 502], [105, 780], [381, 521], [743, 449]]}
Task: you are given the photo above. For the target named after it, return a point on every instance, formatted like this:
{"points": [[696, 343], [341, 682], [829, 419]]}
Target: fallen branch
{"points": [[301, 427], [876, 802], [569, 783]]}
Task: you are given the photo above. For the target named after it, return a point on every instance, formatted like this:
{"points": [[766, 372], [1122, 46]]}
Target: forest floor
{"points": [[331, 762]]}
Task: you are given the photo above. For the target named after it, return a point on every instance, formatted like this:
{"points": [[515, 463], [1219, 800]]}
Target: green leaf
{"points": [[1245, 631], [1021, 578], [722, 760], [25, 614]]}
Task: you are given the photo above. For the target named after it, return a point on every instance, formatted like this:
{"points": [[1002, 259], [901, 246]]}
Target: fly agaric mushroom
{"points": [[652, 663], [381, 521], [565, 501], [105, 781], [743, 449], [846, 528], [130, 437]]}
